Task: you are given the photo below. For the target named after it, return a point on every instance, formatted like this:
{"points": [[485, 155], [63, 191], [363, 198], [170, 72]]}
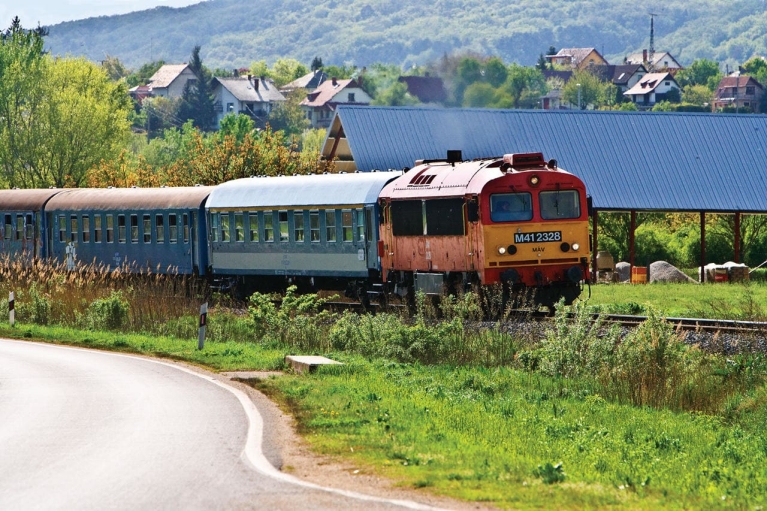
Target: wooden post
{"points": [[595, 224], [737, 237], [632, 239], [703, 246]]}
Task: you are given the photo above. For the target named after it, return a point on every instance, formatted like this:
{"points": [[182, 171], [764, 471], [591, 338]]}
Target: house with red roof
{"points": [[739, 93], [320, 104]]}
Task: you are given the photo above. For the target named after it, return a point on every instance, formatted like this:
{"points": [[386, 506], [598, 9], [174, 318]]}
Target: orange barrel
{"points": [[639, 275]]}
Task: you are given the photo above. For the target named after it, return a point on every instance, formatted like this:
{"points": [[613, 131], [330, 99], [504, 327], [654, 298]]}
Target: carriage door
{"points": [[371, 237]]}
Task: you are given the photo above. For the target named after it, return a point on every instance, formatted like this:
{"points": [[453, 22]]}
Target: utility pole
{"points": [[651, 57]]}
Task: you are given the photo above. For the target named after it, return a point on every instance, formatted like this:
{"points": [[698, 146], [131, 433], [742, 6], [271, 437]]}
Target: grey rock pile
{"points": [[623, 270], [661, 271]]}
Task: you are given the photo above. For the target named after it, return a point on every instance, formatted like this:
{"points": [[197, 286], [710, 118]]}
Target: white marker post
{"points": [[203, 323], [11, 312]]}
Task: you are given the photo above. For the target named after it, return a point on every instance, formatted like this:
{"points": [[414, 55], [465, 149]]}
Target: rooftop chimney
{"points": [[256, 83], [335, 82], [644, 56]]}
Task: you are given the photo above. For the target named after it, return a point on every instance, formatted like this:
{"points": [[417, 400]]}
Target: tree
{"points": [[542, 65], [522, 81], [588, 90], [495, 71], [286, 70], [114, 68], [479, 95], [316, 64], [288, 116], [197, 100], [700, 72], [394, 95], [756, 67], [145, 72]]}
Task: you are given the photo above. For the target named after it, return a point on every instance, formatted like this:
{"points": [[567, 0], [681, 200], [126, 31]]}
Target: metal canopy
{"points": [[641, 161]]}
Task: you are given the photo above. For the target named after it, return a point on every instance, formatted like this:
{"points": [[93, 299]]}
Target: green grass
{"points": [[492, 434], [719, 301]]}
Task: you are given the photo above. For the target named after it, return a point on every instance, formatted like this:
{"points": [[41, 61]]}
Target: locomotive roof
{"points": [[662, 161], [292, 191], [119, 199], [26, 200], [442, 179]]}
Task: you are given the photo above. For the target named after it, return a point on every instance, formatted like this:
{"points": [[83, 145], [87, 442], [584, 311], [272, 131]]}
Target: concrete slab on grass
{"points": [[301, 364]]}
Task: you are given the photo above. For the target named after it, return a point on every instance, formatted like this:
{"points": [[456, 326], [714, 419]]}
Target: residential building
{"points": [[169, 81], [250, 95], [577, 58], [320, 104], [651, 89], [622, 76], [310, 81], [739, 93], [657, 62]]}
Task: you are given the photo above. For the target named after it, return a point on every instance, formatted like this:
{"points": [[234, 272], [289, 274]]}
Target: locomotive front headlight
{"points": [[576, 247], [501, 250], [534, 180]]}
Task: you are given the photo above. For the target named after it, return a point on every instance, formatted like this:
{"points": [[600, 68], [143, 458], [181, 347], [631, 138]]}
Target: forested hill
{"points": [[234, 33]]}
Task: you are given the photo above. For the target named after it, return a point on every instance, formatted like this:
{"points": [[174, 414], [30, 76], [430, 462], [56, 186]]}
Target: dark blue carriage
{"points": [[23, 222], [317, 231], [157, 229]]}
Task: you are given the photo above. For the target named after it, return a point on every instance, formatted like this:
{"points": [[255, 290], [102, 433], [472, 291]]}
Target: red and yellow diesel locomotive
{"points": [[515, 220]]}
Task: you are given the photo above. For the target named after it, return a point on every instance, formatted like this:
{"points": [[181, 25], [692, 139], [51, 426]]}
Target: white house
{"points": [[249, 95], [651, 89], [320, 104], [170, 79], [660, 61]]}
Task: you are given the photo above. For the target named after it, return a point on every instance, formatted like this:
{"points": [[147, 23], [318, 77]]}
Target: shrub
{"points": [[109, 313]]}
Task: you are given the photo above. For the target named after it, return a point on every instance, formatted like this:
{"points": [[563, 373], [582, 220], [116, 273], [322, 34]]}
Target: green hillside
{"points": [[234, 33]]}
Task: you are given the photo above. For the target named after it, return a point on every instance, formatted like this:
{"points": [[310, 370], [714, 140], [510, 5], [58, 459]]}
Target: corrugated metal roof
{"points": [[312, 190], [628, 160], [26, 200], [121, 199]]}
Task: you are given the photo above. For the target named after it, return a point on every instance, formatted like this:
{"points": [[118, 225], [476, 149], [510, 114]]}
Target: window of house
{"points": [[134, 228], [73, 228], [351, 97], [298, 225], [173, 228], [347, 225], [253, 224], [86, 229], [110, 229], [121, 234], [330, 224], [230, 107], [282, 218], [750, 90], [239, 227], [314, 226], [97, 229], [159, 229], [268, 226]]}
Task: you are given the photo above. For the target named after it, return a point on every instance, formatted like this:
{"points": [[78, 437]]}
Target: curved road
{"points": [[83, 429]]}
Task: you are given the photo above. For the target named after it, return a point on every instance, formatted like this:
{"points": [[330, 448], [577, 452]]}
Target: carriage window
{"points": [[121, 235], [330, 224], [214, 219], [559, 204], [225, 234], [62, 228], [239, 227], [511, 207], [110, 229], [407, 218], [253, 221], [97, 229], [444, 217], [30, 227], [298, 225], [361, 225], [134, 228], [172, 228], [346, 226], [314, 226], [19, 227], [86, 229], [159, 229], [73, 228], [9, 227], [186, 228], [147, 229], [268, 226], [283, 222]]}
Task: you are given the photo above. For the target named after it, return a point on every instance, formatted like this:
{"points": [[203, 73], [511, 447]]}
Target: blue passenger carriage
{"points": [[317, 231], [160, 229], [23, 223]]}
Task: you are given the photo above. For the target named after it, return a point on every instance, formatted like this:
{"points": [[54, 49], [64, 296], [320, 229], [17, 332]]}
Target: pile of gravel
{"points": [[661, 271], [623, 270]]}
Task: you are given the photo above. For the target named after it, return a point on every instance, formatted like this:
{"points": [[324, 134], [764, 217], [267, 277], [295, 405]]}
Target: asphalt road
{"points": [[84, 430]]}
